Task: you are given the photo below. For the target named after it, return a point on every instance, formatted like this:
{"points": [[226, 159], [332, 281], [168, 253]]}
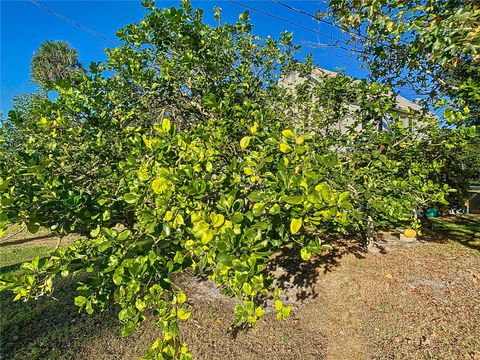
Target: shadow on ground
{"points": [[24, 240], [297, 278], [53, 329]]}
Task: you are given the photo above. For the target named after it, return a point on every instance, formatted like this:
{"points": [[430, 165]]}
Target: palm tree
{"points": [[53, 61]]}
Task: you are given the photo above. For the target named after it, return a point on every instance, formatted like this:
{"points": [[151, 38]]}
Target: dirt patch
{"points": [[413, 303], [419, 303], [210, 335]]}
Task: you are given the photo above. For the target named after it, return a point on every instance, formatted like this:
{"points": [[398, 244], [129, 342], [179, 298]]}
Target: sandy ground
{"points": [[414, 302]]}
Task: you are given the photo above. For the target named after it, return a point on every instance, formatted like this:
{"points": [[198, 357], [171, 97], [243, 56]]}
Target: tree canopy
{"points": [[431, 46], [54, 61]]}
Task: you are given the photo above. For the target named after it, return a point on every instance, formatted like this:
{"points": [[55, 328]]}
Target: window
{"points": [[387, 122]]}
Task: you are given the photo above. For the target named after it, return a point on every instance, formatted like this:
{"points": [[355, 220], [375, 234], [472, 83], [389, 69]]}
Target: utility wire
{"points": [[84, 28], [298, 25], [94, 33], [331, 23], [319, 19], [316, 18]]}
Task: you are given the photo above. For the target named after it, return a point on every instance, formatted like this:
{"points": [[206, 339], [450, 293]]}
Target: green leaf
{"points": [[285, 312], [160, 185], [247, 288], [285, 148], [130, 198], [88, 307], [209, 166], [140, 304], [128, 329], [178, 221], [305, 254], [237, 218], [217, 220], [124, 235], [224, 261], [245, 142], [80, 301], [275, 209], [182, 314], [343, 196], [294, 200], [325, 191], [295, 225], [118, 276], [248, 171], [181, 297], [166, 125], [178, 258], [258, 209], [255, 196], [202, 231], [288, 134]]}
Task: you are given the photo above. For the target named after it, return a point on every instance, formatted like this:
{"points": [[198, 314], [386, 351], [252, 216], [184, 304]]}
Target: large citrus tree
{"points": [[183, 151]]}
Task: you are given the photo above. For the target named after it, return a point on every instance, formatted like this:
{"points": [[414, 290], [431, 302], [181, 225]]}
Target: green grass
{"points": [[464, 230], [11, 256], [48, 328]]}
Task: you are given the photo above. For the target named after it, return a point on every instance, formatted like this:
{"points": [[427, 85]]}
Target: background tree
{"points": [[54, 61], [431, 46]]}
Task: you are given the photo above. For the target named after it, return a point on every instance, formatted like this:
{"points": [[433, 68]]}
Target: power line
{"points": [[319, 19], [297, 25], [315, 17], [310, 16], [84, 28], [92, 32], [331, 23]]}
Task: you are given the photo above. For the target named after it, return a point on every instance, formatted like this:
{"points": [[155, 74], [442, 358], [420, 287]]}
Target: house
{"points": [[473, 201], [403, 106]]}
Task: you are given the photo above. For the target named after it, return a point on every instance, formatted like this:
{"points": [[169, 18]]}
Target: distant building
{"points": [[473, 201], [402, 108]]}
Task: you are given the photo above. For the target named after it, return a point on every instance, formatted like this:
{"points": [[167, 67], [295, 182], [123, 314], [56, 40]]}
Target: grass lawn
{"points": [[463, 229], [49, 328], [416, 302]]}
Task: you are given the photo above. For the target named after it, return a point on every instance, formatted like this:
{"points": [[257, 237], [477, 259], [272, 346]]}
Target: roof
{"points": [[405, 104]]}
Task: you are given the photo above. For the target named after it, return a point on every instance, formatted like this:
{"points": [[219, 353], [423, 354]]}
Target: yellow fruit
{"points": [[410, 233]]}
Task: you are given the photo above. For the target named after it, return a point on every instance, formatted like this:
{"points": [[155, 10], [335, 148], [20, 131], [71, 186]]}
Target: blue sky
{"points": [[24, 26]]}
